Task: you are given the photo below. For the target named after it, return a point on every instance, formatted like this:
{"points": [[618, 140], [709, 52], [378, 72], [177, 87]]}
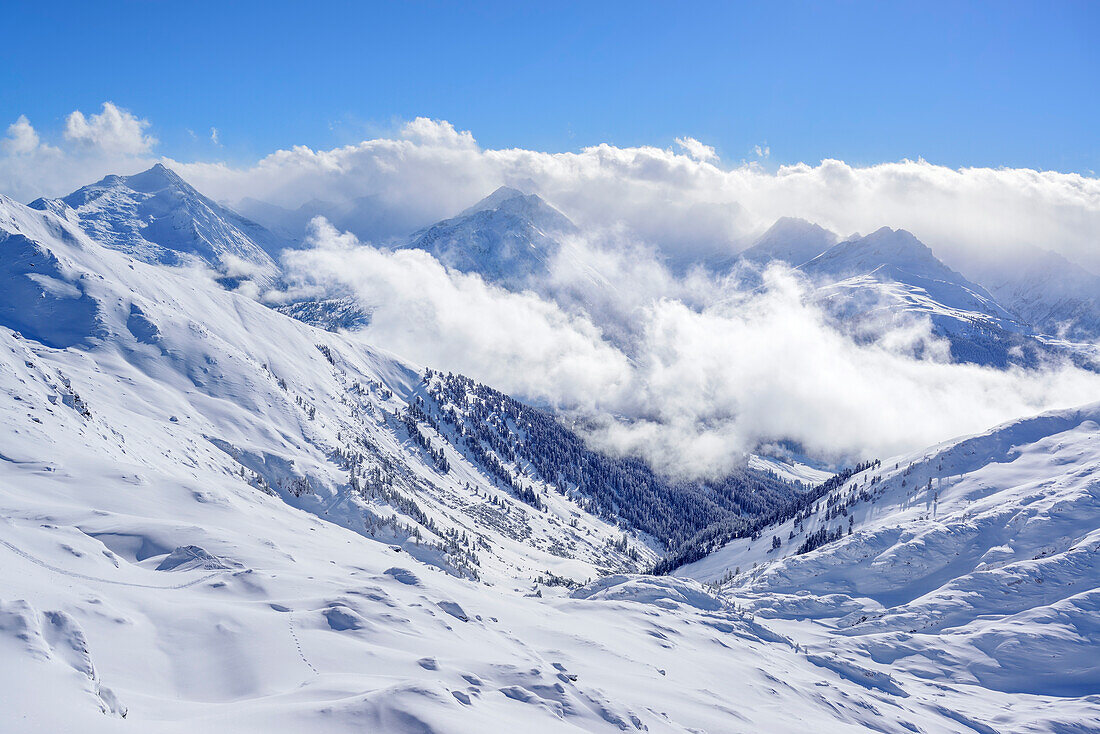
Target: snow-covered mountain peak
{"points": [[158, 217], [156, 179], [791, 240], [508, 237], [510, 202], [892, 249], [494, 200]]}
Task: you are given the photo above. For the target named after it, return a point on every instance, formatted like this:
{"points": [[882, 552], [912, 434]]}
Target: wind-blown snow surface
{"points": [[974, 564], [183, 547]]}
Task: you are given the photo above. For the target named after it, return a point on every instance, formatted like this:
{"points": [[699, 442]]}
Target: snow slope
{"points": [[214, 517], [975, 562], [293, 407]]}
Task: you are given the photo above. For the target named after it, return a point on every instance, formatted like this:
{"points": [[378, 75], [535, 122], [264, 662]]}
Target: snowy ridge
{"points": [[975, 561]]}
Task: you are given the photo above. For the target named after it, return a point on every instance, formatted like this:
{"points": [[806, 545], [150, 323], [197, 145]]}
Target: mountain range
{"points": [[216, 515], [882, 279]]}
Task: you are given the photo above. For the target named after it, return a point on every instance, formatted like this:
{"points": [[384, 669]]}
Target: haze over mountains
{"points": [[217, 515], [509, 239]]}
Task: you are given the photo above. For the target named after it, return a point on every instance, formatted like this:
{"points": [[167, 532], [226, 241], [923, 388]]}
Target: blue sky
{"points": [[989, 84]]}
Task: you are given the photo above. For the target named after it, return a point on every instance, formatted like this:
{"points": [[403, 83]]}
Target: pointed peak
{"points": [[496, 199], [795, 226], [793, 223], [791, 240], [896, 239], [154, 179], [506, 192]]}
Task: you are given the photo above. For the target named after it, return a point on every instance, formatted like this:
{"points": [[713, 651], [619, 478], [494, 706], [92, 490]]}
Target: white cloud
{"points": [[22, 138], [214, 136], [114, 130], [702, 372], [426, 314], [762, 151], [682, 203], [90, 147], [697, 150], [438, 134]]}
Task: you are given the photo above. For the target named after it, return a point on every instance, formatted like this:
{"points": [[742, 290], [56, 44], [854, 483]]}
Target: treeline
{"points": [[798, 506], [516, 444]]}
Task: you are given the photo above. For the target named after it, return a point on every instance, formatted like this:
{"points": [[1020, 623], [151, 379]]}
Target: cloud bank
{"points": [[707, 373], [653, 357], [686, 202]]}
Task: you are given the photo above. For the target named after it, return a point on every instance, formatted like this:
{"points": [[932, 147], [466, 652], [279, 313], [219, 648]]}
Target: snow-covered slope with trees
{"points": [[294, 408], [974, 562]]}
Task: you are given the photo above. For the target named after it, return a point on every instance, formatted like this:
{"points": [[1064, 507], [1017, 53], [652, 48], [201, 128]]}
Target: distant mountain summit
{"points": [[896, 256], [790, 240], [508, 237], [872, 282], [890, 274], [1048, 292], [158, 217]]}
